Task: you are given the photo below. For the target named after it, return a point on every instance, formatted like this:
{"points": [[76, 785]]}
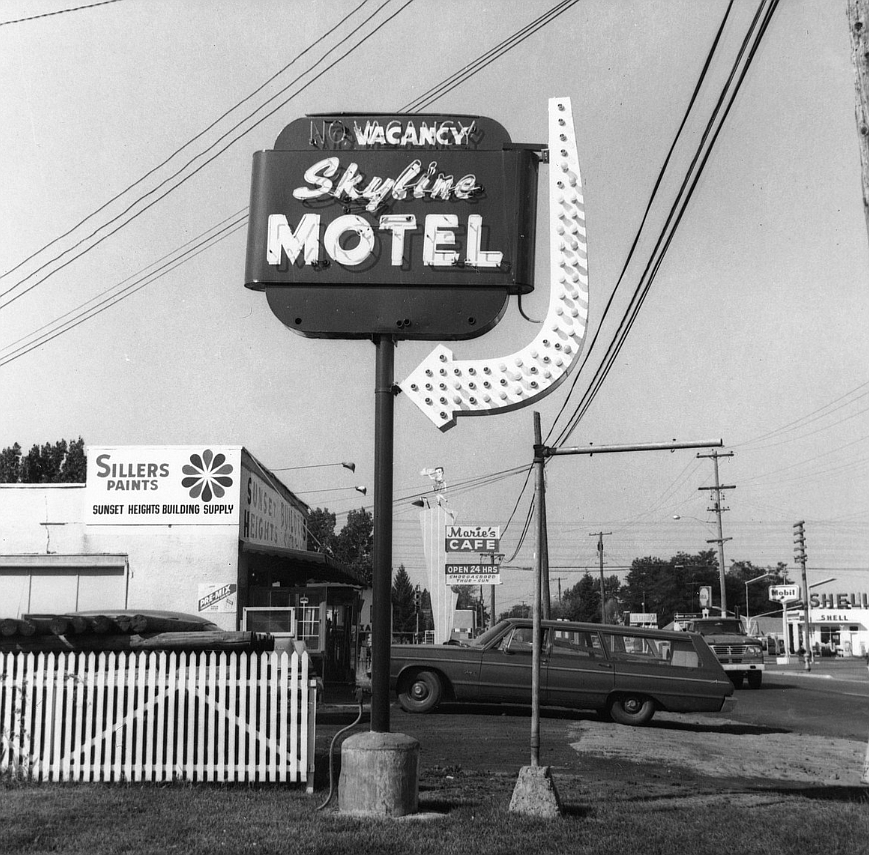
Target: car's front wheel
{"points": [[755, 678], [420, 692], [634, 710]]}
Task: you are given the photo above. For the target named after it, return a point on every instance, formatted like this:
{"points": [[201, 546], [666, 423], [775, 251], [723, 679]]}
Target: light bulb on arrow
{"points": [[444, 387]]}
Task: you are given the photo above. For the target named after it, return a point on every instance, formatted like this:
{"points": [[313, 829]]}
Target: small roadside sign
{"points": [[472, 538], [217, 598], [705, 596], [784, 593], [472, 574]]}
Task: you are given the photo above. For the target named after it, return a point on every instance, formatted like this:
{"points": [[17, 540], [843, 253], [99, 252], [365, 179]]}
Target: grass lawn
{"points": [[464, 813]]}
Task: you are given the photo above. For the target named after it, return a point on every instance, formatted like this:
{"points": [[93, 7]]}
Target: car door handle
{"points": [[604, 665]]}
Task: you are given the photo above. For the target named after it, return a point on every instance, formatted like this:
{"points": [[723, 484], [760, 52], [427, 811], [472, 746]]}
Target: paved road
{"points": [[831, 700]]}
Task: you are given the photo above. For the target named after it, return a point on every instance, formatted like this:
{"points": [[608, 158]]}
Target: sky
{"points": [[128, 130]]}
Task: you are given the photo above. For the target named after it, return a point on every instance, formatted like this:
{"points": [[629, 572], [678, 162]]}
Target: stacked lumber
{"points": [[122, 630]]}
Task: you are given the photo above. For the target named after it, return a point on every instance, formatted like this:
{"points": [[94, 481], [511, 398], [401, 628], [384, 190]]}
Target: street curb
{"points": [[808, 674], [817, 676]]}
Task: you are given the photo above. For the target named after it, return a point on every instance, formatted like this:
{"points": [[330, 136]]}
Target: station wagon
{"points": [[624, 673]]}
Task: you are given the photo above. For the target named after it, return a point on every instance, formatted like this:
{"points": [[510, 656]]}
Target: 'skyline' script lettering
{"points": [[348, 187]]}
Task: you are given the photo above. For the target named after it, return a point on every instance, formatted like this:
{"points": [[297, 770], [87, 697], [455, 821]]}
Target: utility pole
{"points": [[858, 22], [600, 536], [718, 511], [800, 555], [540, 565], [545, 598], [541, 454]]}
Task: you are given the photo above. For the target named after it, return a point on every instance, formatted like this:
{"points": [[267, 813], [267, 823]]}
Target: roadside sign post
{"points": [[536, 649], [800, 555], [541, 454], [417, 227], [785, 594]]}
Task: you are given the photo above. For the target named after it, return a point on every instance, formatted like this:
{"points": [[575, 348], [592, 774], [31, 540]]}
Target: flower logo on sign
{"points": [[207, 476]]}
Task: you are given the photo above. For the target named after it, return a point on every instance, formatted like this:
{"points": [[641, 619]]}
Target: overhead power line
{"points": [[654, 194], [453, 80], [154, 271], [809, 418], [58, 12], [195, 157], [463, 75], [725, 102]]}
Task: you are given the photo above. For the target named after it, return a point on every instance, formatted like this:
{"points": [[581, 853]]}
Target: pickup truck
{"points": [[740, 655]]}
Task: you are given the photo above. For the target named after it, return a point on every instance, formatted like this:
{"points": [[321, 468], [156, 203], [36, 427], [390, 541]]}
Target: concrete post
{"points": [[379, 775]]}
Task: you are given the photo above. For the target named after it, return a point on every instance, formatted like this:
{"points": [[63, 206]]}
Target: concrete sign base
{"points": [[535, 793], [379, 775]]}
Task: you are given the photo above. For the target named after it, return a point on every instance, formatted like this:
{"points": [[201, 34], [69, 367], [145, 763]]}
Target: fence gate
{"points": [[246, 717]]}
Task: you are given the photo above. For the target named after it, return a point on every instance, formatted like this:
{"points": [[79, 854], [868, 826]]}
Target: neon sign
{"points": [[418, 227]]}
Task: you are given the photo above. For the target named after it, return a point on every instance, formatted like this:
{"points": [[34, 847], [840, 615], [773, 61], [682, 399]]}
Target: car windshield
{"points": [[716, 627], [488, 635]]}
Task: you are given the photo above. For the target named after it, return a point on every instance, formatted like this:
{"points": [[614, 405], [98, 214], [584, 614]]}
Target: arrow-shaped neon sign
{"points": [[445, 388]]}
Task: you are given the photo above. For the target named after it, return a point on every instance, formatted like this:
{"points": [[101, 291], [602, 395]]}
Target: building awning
{"points": [[318, 566]]}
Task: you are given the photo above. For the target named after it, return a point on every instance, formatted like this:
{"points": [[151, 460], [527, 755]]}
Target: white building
{"points": [[205, 530], [838, 624]]}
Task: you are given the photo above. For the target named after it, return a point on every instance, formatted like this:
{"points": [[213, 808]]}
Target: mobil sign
{"points": [[785, 593], [417, 226]]}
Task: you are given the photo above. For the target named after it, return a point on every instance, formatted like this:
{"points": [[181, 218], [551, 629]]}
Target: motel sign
{"points": [[417, 226]]}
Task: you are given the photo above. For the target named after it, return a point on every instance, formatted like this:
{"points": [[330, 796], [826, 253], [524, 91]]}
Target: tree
{"points": [[10, 464], [520, 610], [75, 464], [741, 572], [666, 587], [426, 615], [582, 601], [321, 531], [355, 543], [60, 463], [469, 599], [404, 613]]}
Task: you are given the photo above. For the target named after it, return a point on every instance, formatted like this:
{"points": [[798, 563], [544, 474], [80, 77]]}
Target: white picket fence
{"points": [[245, 717]]}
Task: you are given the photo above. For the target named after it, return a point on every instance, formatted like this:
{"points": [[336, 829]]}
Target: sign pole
{"points": [[539, 564], [381, 617]]}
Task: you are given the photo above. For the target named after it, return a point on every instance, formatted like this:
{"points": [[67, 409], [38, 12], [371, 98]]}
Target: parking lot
{"points": [[782, 734]]}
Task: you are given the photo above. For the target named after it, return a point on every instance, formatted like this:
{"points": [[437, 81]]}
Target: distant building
{"points": [[206, 530]]}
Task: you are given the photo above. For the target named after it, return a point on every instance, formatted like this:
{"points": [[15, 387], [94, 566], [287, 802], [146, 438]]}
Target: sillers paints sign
{"points": [[163, 485]]}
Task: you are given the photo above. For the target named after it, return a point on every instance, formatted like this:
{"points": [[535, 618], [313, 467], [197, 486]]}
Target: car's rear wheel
{"points": [[755, 678], [420, 692], [634, 710]]}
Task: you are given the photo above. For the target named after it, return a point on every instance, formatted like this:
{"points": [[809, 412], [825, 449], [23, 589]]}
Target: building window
{"points": [[276, 621]]}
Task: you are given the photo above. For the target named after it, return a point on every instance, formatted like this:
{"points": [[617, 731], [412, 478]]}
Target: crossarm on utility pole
{"points": [[642, 446]]}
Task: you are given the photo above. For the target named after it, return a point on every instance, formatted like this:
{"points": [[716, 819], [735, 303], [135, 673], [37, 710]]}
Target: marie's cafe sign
{"points": [[416, 226]]}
